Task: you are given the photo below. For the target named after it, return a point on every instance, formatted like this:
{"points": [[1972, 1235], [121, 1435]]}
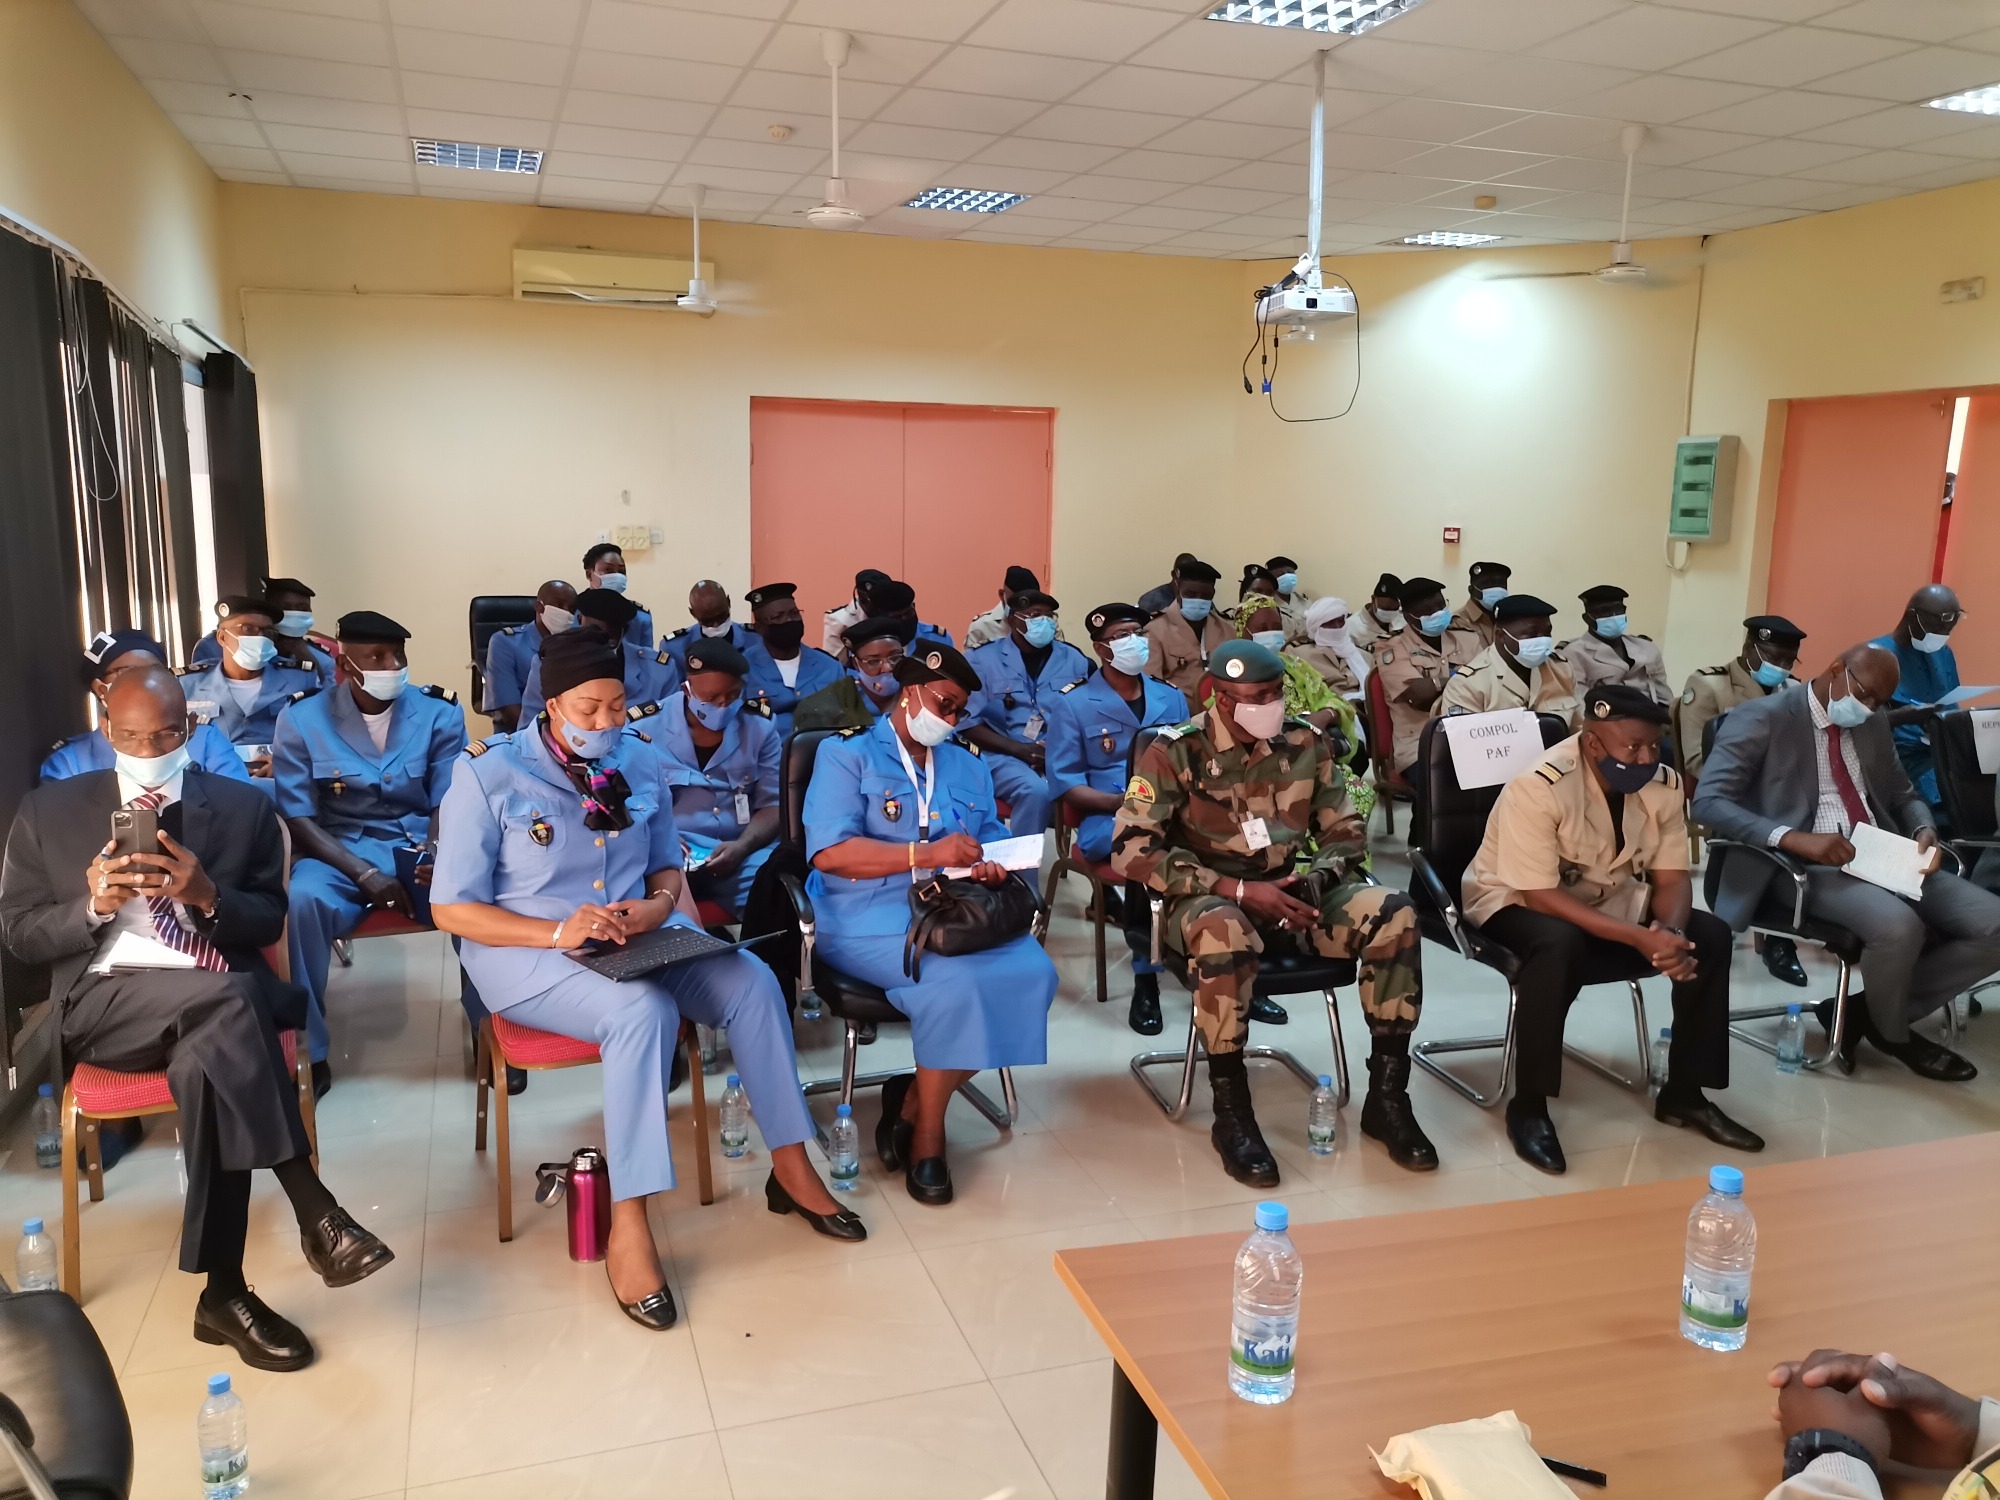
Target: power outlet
{"points": [[632, 538]]}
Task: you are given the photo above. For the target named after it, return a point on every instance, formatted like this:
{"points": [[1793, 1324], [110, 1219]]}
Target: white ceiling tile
{"points": [[1982, 41], [1432, 121], [874, 59], [291, 138], [1199, 45], [1125, 236], [1393, 187], [727, 200], [1572, 174], [353, 185], [1226, 138], [1767, 192], [1682, 182], [1772, 158], [1981, 141], [1158, 90], [269, 179], [353, 10], [1500, 25], [1952, 176], [1891, 167], [739, 179], [1925, 73], [522, 20], [918, 140], [1072, 28], [250, 28], [651, 145], [1011, 75], [659, 77], [1053, 206], [598, 190], [1006, 179], [238, 158], [334, 114], [1109, 189], [1374, 64], [1898, 125], [925, 223], [1097, 127], [1848, 197], [799, 99], [1782, 112], [1262, 176], [1795, 55], [1653, 36], [1165, 166], [353, 168], [1471, 163], [954, 111], [616, 26], [634, 112], [158, 20], [1928, 21], [1532, 83], [1766, 10], [220, 130], [609, 168], [1661, 99], [480, 96], [1153, 216], [498, 58], [935, 20], [179, 62], [762, 156], [178, 98], [1671, 145], [1370, 153], [1556, 135], [1052, 156], [502, 187], [1290, 106], [1229, 200], [256, 71], [483, 130]]}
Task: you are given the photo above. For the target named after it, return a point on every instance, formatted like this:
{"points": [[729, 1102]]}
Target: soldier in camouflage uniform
{"points": [[1243, 822]]}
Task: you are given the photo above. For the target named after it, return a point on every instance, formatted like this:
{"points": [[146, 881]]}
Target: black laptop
{"points": [[663, 948]]}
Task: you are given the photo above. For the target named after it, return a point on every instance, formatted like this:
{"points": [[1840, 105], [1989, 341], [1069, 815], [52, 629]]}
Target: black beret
{"points": [[1492, 567], [769, 593], [245, 604], [1105, 616], [1603, 593], [365, 627], [870, 578], [1029, 598], [1521, 607], [1774, 628], [1613, 700], [1280, 563], [607, 605], [108, 645], [574, 657], [891, 597], [934, 661], [286, 586], [1415, 590], [1388, 583], [1019, 578], [1197, 570], [715, 655], [878, 627]]}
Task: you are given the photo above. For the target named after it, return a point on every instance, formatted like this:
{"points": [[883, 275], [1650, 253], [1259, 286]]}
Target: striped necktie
{"points": [[166, 921]]}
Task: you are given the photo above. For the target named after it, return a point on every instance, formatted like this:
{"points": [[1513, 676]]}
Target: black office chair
{"points": [[1968, 797], [1278, 973], [857, 1004], [1454, 824], [62, 1418], [486, 617]]}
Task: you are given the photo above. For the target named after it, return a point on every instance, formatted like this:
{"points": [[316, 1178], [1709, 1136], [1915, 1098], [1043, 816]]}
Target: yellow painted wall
{"points": [[87, 156]]}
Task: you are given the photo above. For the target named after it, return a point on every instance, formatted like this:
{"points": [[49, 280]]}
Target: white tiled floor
{"points": [[942, 1358]]}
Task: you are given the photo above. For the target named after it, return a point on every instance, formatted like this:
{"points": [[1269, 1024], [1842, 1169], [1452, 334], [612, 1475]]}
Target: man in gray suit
{"points": [[1796, 772]]}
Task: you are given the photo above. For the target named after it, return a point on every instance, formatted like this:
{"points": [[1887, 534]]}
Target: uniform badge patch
{"points": [[1106, 742], [892, 809], [1139, 790], [541, 831], [1688, 696]]}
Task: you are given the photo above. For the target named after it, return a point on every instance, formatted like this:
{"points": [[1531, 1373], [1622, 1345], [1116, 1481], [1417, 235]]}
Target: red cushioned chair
{"points": [[1101, 877], [1390, 787], [512, 1045]]}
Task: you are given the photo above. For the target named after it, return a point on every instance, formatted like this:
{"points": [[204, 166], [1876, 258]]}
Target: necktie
{"points": [[166, 921], [1843, 783]]}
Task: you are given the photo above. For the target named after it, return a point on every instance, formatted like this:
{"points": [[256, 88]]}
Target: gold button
{"points": [[597, 885], [600, 843]]}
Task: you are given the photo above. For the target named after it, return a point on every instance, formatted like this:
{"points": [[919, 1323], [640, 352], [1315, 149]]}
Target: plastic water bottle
{"points": [[811, 1007], [710, 1050], [1791, 1040], [35, 1260], [1657, 1064], [1322, 1117], [48, 1128], [735, 1113], [1721, 1249], [844, 1149], [1264, 1324], [223, 1431]]}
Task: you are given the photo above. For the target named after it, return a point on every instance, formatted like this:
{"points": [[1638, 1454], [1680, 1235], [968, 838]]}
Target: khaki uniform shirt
{"points": [[1365, 628], [1593, 660], [1330, 665], [1293, 612], [1478, 619], [1711, 691], [1491, 683], [1179, 655], [1552, 828], [1400, 660]]}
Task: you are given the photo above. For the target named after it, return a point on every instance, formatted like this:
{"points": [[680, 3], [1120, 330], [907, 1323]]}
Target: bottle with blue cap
{"points": [[1721, 1251], [1792, 1039], [35, 1259], [843, 1150], [1323, 1117], [735, 1113], [1264, 1322], [222, 1430]]}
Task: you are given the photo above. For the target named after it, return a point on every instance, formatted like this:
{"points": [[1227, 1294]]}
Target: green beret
{"points": [[1245, 661]]}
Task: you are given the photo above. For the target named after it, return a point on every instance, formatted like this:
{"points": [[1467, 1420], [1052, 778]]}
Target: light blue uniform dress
{"points": [[1016, 703], [816, 670], [1090, 734], [208, 651], [676, 645], [513, 650], [649, 676], [92, 752], [512, 835], [978, 1010], [210, 701], [741, 777], [326, 768]]}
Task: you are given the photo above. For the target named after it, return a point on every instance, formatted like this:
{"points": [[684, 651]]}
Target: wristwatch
{"points": [[1816, 1442]]}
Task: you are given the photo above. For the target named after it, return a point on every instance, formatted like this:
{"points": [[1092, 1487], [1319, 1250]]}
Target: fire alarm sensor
{"points": [[1451, 536]]}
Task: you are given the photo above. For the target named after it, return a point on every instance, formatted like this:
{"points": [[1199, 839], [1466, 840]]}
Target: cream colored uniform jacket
{"points": [[1593, 661], [1330, 665], [1293, 612], [833, 634], [1400, 660], [1711, 691], [1475, 618], [1366, 630], [1179, 655], [1552, 828], [1489, 683]]}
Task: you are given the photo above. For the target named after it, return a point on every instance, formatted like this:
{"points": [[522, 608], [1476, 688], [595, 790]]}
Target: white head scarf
{"points": [[1340, 642]]}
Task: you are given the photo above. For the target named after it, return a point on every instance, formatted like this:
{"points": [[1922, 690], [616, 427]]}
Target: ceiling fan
{"points": [[1622, 268], [849, 205], [697, 299]]}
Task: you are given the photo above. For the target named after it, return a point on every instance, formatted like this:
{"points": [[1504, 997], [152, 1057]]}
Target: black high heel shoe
{"points": [[841, 1224], [893, 1133], [654, 1311]]}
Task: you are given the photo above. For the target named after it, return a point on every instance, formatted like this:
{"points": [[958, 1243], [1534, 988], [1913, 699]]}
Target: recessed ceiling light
{"points": [[1984, 101], [966, 200], [476, 158], [1449, 237], [1339, 17]]}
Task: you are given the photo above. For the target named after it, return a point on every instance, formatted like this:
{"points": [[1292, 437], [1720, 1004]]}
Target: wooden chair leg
{"points": [[482, 1080], [503, 1154], [1097, 889], [302, 1077], [93, 1158], [704, 1167], [71, 1277]]}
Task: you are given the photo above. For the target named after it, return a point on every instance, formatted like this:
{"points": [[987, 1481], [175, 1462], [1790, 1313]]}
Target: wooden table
{"points": [[1564, 1309]]}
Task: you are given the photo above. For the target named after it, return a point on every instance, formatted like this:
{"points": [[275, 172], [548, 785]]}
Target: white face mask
{"points": [[613, 581], [556, 621], [1130, 653], [253, 653], [1936, 641], [1333, 637], [1391, 622], [152, 772], [1261, 721], [926, 728], [385, 687], [715, 631]]}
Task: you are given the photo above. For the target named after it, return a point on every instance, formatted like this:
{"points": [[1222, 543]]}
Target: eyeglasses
{"points": [[159, 742]]}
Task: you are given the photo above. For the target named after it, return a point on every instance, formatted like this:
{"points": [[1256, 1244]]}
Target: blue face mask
{"points": [[713, 715], [295, 623], [590, 744], [1534, 650], [613, 581], [1609, 628], [1287, 582], [1130, 653], [1491, 597], [1435, 623], [1770, 676], [878, 685], [1196, 610], [1270, 640], [253, 653], [1040, 631], [1847, 711]]}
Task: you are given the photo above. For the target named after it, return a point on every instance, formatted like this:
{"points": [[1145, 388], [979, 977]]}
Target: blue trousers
{"points": [[974, 1011], [1093, 842], [636, 1023], [731, 891], [1025, 791], [325, 905]]}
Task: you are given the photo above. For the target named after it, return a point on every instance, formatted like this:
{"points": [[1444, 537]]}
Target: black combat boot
{"points": [[1386, 1114], [1237, 1139], [1144, 1016]]}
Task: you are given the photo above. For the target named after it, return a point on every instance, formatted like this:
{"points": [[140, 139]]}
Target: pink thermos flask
{"points": [[585, 1185]]}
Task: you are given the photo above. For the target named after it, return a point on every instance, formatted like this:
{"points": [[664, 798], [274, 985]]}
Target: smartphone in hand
{"points": [[135, 830]]}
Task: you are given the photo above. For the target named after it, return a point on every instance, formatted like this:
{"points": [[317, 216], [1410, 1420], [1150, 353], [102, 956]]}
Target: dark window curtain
{"points": [[235, 474], [177, 484]]}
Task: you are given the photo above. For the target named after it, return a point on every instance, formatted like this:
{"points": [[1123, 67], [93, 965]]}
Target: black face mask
{"points": [[783, 635], [1627, 776]]}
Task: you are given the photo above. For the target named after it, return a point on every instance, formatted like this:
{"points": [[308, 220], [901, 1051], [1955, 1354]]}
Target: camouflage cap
{"points": [[1245, 661]]}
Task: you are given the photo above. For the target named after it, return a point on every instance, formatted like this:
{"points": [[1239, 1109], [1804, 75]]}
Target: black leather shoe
{"points": [[1845, 1046], [1703, 1115], [1267, 1010], [1235, 1135], [1114, 907], [517, 1079], [116, 1137], [892, 1131], [1781, 957], [677, 1073], [241, 1320], [1927, 1059], [1145, 1014], [841, 1224], [322, 1079], [340, 1251], [1386, 1114], [655, 1311], [929, 1181], [1534, 1138]]}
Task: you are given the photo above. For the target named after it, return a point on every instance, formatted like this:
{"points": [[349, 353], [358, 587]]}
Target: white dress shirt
{"points": [[1830, 814]]}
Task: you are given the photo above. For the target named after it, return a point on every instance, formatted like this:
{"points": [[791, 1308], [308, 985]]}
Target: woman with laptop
{"points": [[556, 840]]}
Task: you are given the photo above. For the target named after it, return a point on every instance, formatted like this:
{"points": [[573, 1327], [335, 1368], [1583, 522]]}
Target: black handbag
{"points": [[962, 916]]}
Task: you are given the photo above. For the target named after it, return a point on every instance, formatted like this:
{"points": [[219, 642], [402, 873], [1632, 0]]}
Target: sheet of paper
{"points": [[1888, 860], [1023, 853], [1492, 749], [1986, 739], [133, 950], [1965, 695]]}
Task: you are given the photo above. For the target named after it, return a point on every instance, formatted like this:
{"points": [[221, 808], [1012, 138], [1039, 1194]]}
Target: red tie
{"points": [[1843, 783], [166, 921]]}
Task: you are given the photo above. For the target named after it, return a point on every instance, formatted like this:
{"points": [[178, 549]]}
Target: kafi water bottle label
{"points": [[1716, 1301], [1263, 1346]]}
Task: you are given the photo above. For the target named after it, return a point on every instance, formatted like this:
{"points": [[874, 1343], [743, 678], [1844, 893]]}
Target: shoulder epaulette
{"points": [[852, 729], [1074, 685], [638, 711], [760, 706], [510, 630], [967, 745], [477, 748], [59, 744], [1669, 775], [1384, 655], [1173, 732], [1550, 774], [301, 693], [643, 735], [296, 666], [1711, 671], [432, 690], [1638, 637], [189, 670], [665, 658]]}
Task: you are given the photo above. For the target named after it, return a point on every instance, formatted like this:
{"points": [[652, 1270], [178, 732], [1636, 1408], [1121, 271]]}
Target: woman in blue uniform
{"points": [[543, 846], [887, 806]]}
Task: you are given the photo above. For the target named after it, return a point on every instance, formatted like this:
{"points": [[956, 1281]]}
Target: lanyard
{"points": [[924, 788]]}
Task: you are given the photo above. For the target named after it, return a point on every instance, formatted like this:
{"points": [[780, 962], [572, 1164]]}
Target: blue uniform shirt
{"points": [[92, 752], [1927, 677], [510, 655], [511, 834], [705, 797], [1012, 701], [640, 631], [649, 677], [371, 802], [210, 700], [208, 652], [816, 670], [676, 645], [1090, 735], [860, 790]]}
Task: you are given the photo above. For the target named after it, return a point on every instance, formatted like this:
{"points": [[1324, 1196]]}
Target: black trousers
{"points": [[1559, 958], [216, 1035]]}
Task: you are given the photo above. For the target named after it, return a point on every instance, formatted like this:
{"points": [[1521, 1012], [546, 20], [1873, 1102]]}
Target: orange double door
{"points": [[945, 498]]}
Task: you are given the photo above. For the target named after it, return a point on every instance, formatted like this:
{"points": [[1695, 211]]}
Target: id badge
{"points": [[1255, 834], [742, 806], [1036, 725]]}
